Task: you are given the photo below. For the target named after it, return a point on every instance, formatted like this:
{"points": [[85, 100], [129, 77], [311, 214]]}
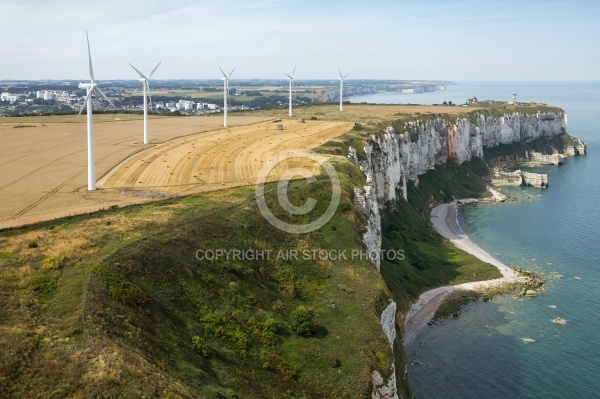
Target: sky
{"points": [[462, 40]]}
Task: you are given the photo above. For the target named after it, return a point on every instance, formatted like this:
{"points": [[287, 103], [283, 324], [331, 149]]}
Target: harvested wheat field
{"points": [[366, 114], [221, 158], [43, 160]]}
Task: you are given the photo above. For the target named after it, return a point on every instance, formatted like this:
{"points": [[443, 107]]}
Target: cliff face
{"points": [[334, 95], [393, 158], [512, 128]]}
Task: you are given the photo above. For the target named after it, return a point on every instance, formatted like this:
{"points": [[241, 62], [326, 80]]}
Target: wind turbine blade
{"points": [[89, 55], [294, 71], [230, 73], [154, 70], [345, 77], [149, 95], [225, 76], [340, 73], [104, 95], [288, 76], [139, 73], [85, 102]]}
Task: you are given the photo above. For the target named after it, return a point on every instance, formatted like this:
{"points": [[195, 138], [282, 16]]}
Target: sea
{"points": [[509, 347]]}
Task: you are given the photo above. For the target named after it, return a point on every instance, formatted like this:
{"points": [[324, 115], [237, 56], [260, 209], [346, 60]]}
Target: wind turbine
{"points": [[291, 78], [91, 87], [146, 86], [341, 78], [225, 92]]}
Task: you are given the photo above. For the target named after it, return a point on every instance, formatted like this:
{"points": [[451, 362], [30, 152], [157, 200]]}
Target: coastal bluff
{"points": [[393, 158], [401, 153]]}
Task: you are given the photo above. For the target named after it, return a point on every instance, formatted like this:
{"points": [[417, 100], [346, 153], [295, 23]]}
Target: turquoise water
{"points": [[482, 353]]}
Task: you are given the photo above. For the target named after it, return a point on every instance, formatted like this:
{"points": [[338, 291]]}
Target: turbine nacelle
{"points": [[225, 76]]}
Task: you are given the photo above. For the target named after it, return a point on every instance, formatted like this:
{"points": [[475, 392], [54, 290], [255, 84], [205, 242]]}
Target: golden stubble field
{"points": [[366, 114], [43, 162], [223, 158]]}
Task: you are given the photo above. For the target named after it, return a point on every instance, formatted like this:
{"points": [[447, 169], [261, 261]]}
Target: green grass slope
{"points": [[116, 304]]}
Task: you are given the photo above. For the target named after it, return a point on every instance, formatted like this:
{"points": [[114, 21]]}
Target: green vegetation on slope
{"points": [[116, 304], [431, 261]]}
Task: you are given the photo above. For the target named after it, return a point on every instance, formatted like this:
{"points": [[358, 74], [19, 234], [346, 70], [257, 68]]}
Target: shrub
{"points": [[277, 305], [161, 364], [239, 339], [233, 286], [42, 284], [32, 244], [266, 331], [54, 262], [273, 362], [200, 345], [226, 329], [128, 294], [302, 322], [120, 288]]}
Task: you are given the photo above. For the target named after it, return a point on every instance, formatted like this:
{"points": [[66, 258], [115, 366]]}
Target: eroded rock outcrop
{"points": [[383, 389], [502, 177]]}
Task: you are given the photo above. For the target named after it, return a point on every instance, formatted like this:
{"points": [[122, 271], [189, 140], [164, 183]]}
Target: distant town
{"points": [[187, 97]]}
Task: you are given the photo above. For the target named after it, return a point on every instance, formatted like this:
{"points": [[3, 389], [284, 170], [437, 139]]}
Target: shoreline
{"points": [[445, 222]]}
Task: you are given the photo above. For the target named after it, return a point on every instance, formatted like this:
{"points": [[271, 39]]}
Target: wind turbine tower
{"points": [[91, 87], [225, 92], [342, 77], [146, 86], [291, 78]]}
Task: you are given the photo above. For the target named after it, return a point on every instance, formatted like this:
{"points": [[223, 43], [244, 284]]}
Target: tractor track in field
{"points": [[55, 189]]}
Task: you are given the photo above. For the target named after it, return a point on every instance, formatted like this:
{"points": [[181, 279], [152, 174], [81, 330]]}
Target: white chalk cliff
{"points": [[393, 159]]}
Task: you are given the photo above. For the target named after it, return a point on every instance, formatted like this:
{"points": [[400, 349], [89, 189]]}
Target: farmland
{"points": [[220, 158], [43, 160]]}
